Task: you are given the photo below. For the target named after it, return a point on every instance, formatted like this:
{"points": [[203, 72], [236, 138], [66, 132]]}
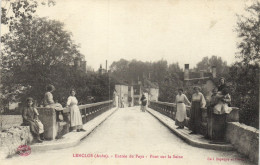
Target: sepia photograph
{"points": [[123, 82]]}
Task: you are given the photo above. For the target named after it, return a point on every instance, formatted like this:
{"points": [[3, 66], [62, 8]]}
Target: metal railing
{"points": [[168, 109], [90, 111]]}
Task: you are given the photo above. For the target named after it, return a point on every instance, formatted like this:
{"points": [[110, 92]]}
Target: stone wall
{"points": [[244, 138], [52, 128], [7, 121], [12, 138]]}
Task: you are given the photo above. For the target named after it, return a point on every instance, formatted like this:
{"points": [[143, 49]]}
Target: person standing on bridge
{"points": [[75, 115], [143, 103], [181, 114], [198, 102]]}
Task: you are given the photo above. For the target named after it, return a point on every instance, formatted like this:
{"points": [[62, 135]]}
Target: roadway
{"points": [[130, 136]]}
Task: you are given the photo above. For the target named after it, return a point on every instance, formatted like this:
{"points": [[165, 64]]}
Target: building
{"points": [[206, 80], [81, 64], [131, 94]]}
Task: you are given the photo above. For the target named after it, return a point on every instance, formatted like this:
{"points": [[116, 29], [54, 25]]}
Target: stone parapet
{"points": [[244, 138], [52, 128], [12, 138]]}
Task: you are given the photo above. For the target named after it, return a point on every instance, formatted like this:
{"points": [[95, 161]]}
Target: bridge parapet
{"points": [[169, 109], [54, 129]]}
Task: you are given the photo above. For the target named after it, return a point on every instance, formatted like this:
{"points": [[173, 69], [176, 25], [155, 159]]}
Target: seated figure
{"points": [[30, 118]]}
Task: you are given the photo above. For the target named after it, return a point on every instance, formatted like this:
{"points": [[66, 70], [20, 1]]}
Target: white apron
{"points": [[181, 114], [76, 119]]}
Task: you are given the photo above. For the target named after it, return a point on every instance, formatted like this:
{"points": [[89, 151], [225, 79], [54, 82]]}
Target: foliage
{"points": [[248, 30], [166, 76], [13, 11], [245, 92], [35, 52], [244, 75], [206, 63]]}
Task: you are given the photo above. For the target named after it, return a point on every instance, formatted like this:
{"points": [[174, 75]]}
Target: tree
{"points": [[13, 11], [206, 64], [32, 51], [248, 30], [244, 75]]}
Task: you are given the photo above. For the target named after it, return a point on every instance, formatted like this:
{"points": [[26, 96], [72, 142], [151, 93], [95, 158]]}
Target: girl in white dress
{"points": [[75, 116], [181, 114]]}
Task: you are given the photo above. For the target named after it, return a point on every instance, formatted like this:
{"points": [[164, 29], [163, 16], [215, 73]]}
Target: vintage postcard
{"points": [[123, 82]]}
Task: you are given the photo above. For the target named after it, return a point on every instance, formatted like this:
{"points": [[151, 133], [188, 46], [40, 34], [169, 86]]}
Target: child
{"points": [[224, 100], [30, 118]]}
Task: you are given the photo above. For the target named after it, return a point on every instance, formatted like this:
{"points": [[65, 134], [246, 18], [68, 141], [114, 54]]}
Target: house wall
{"points": [[208, 87], [131, 94], [154, 94], [122, 91]]}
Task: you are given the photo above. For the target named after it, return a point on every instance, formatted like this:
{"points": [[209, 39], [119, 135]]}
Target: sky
{"points": [[182, 31]]}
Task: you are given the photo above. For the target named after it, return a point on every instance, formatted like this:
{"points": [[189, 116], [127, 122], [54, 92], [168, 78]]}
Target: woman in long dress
{"points": [[198, 101], [75, 115], [181, 114]]}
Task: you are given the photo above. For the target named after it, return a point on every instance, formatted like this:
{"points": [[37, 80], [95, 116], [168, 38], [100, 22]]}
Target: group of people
{"points": [[30, 113], [217, 109]]}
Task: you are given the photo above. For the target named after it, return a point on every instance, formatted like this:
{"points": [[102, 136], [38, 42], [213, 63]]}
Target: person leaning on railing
{"points": [[49, 102]]}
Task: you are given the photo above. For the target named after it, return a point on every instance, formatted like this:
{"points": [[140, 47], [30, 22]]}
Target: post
{"points": [[186, 71], [214, 71]]}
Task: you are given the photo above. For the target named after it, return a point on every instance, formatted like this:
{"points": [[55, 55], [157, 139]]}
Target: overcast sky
{"points": [[181, 31]]}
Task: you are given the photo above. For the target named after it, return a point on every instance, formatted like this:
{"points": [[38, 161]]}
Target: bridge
{"points": [[126, 136]]}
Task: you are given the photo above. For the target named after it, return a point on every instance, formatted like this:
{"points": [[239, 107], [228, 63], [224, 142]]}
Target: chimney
{"points": [[77, 62], [83, 66], [186, 71], [100, 69], [106, 65], [201, 73], [214, 71]]}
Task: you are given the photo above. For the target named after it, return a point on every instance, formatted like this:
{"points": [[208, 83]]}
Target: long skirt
{"points": [[181, 115], [195, 117], [218, 126], [34, 127], [143, 108], [76, 119]]}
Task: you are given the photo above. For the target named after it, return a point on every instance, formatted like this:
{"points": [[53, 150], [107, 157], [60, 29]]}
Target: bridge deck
{"points": [[130, 131], [195, 140]]}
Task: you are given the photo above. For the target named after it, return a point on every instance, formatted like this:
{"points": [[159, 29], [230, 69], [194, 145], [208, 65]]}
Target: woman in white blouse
{"points": [[181, 114], [198, 101], [75, 116]]}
